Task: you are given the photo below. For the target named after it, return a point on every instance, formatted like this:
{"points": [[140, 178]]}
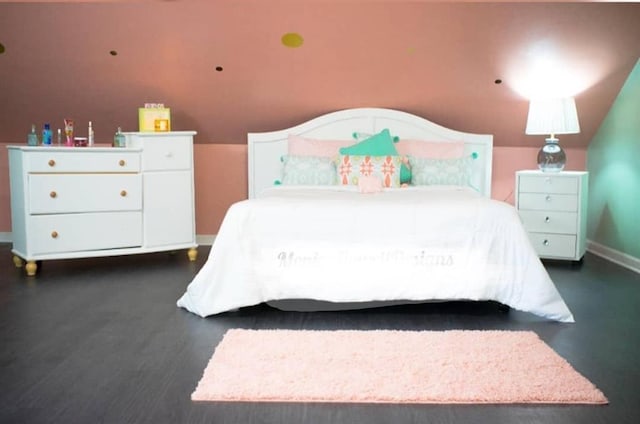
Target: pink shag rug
{"points": [[391, 367]]}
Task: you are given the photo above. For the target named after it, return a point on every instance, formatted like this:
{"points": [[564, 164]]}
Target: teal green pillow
{"points": [[380, 144]]}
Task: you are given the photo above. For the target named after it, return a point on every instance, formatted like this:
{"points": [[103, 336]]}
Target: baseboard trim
{"points": [[205, 239], [614, 256]]}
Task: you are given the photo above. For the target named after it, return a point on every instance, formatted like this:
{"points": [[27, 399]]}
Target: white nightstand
{"points": [[553, 209]]}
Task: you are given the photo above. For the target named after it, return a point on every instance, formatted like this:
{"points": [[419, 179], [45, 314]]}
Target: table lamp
{"points": [[552, 116]]}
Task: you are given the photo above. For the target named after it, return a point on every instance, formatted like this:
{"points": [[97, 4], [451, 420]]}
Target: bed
{"points": [[332, 222]]}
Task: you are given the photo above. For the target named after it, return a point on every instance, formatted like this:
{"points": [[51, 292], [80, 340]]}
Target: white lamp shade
{"points": [[553, 116]]}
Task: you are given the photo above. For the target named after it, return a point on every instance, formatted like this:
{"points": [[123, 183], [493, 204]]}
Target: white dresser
{"points": [[69, 202], [553, 209]]}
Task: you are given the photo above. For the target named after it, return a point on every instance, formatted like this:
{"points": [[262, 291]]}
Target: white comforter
{"points": [[335, 244]]}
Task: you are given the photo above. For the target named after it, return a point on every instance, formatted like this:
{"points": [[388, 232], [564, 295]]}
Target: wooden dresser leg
{"points": [[17, 261], [193, 254], [31, 268]]}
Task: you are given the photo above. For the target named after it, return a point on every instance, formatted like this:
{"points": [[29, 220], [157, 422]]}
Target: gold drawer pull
{"points": [[122, 162], [123, 193], [54, 234], [52, 162], [53, 194]]}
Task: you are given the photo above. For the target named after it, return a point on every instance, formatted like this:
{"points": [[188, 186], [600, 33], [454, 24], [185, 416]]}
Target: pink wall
{"points": [[222, 68], [221, 179]]}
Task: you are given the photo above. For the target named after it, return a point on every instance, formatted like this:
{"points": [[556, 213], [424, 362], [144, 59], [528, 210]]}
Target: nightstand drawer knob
{"points": [[52, 162], [548, 198], [546, 242], [123, 193], [54, 234], [53, 194], [122, 162], [547, 219]]}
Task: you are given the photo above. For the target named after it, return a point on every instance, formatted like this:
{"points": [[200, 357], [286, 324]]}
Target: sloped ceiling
{"points": [[223, 70]]}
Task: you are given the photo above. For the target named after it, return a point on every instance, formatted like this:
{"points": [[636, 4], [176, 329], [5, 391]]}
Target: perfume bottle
{"points": [[32, 137], [119, 139], [90, 136], [46, 135]]}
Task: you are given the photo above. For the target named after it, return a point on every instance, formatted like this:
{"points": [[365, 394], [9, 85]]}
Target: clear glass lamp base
{"points": [[551, 158]]}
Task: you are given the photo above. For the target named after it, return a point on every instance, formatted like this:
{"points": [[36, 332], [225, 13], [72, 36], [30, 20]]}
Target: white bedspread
{"points": [[335, 244]]}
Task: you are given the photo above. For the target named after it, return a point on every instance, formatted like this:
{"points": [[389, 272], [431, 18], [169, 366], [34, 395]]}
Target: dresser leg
{"points": [[31, 268], [193, 254], [17, 261]]}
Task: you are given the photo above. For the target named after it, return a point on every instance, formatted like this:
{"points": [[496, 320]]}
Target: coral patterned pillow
{"points": [[351, 167]]}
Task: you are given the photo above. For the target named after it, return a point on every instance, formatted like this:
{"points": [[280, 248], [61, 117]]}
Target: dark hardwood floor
{"points": [[102, 341]]}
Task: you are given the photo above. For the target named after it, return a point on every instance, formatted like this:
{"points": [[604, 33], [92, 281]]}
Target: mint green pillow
{"points": [[308, 170], [454, 171], [380, 144]]}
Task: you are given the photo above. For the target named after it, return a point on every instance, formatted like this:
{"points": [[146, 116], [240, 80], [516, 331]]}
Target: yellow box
{"points": [[154, 119]]}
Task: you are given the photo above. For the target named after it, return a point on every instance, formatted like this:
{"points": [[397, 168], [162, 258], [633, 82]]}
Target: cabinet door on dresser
{"points": [[552, 207], [168, 217], [168, 194]]}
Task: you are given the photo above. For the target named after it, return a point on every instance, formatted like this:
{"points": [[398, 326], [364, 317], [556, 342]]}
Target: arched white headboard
{"points": [[266, 149]]}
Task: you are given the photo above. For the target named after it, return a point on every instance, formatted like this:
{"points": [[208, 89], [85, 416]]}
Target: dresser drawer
{"points": [[548, 184], [554, 245], [550, 222], [548, 202], [82, 232], [64, 193], [168, 153], [57, 161]]}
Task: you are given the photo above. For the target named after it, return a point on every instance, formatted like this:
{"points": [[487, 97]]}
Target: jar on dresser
{"points": [[553, 210], [69, 202]]}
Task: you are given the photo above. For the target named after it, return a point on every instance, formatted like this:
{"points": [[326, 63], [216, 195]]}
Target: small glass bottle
{"points": [[90, 136], [32, 137], [119, 139], [46, 135]]}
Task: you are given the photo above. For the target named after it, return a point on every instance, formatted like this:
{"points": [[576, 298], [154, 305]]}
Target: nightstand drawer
{"points": [[553, 245], [84, 231], [548, 202], [548, 184], [65, 193], [550, 222]]}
